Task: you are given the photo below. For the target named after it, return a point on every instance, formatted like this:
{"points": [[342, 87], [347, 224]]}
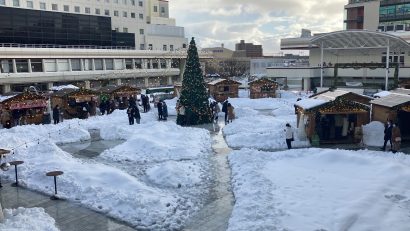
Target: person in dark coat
{"points": [[132, 102], [225, 110], [130, 113], [145, 102], [164, 110], [137, 114], [56, 114], [160, 111], [387, 135], [15, 114]]}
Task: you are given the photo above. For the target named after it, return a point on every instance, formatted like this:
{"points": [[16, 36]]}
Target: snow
{"points": [[23, 219], [2, 98], [102, 184], [61, 87], [320, 189], [310, 103], [171, 104], [382, 94], [373, 134]]}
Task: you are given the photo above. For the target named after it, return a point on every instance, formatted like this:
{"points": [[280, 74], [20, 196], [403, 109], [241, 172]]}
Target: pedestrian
{"points": [[181, 114], [130, 113], [5, 118], [396, 138], [137, 114], [387, 135], [102, 106], [215, 111], [160, 112], [231, 113], [164, 110], [225, 110], [15, 114], [132, 102], [56, 114], [289, 136]]}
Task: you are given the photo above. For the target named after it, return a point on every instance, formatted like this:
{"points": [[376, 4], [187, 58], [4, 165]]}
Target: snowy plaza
{"points": [[160, 176]]}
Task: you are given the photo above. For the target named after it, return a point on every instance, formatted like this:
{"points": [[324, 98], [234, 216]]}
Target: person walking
{"points": [[396, 138], [164, 110], [289, 136], [181, 113], [387, 135], [231, 113], [137, 114], [130, 113], [56, 114], [215, 110], [225, 110], [160, 111]]}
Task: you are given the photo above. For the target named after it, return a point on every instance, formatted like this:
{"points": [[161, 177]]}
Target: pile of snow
{"points": [[175, 174], [171, 104], [257, 104], [284, 111], [320, 189], [23, 219], [2, 98], [373, 134], [382, 94], [61, 87]]}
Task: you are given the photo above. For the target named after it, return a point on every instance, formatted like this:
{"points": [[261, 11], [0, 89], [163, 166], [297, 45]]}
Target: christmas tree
{"points": [[194, 96]]}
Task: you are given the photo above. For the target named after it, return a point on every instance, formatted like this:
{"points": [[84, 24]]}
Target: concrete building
{"points": [[362, 14], [258, 65], [243, 49]]}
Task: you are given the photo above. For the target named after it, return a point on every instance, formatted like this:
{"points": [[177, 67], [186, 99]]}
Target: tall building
{"points": [[248, 49], [362, 14]]}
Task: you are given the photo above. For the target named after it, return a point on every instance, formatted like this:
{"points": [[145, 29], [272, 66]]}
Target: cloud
{"points": [[264, 22]]}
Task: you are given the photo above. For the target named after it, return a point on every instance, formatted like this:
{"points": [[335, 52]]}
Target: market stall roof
{"points": [[392, 100], [401, 91], [262, 80], [310, 103], [23, 100], [215, 82], [382, 94], [69, 92], [112, 88]]}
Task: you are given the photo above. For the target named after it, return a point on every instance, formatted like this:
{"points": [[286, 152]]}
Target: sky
{"points": [[265, 22]]}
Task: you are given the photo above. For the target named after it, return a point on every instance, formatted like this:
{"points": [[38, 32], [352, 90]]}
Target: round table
{"points": [[54, 174]]}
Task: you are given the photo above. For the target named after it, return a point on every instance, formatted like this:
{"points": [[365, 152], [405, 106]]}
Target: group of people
{"points": [[229, 111], [133, 114], [392, 134], [162, 110]]}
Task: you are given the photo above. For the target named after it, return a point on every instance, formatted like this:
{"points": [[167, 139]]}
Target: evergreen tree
{"points": [[194, 95]]}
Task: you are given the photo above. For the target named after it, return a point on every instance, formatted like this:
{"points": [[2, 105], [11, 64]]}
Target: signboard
{"points": [[28, 104]]}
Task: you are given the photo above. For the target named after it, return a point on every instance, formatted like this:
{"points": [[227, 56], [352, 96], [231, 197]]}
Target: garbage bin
{"points": [[46, 118]]}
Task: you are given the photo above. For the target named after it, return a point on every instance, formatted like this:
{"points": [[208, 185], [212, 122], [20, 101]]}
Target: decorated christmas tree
{"points": [[194, 96]]}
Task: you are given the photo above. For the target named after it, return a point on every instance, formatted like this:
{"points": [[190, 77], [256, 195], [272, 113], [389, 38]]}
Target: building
{"points": [[89, 44], [362, 14], [258, 65], [248, 50]]}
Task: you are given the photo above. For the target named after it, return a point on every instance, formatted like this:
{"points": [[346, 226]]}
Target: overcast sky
{"points": [[265, 22]]}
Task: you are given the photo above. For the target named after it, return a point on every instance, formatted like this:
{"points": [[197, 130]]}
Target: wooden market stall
{"points": [[263, 88], [75, 103], [394, 107], [119, 94], [23, 108], [333, 116], [222, 89]]}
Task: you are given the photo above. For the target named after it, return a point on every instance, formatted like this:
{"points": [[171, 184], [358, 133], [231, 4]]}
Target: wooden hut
{"points": [[222, 89], [333, 116], [394, 107], [23, 108], [75, 103], [263, 88], [120, 94]]}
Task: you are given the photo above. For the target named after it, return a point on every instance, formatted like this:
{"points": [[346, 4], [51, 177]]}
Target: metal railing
{"points": [[19, 45]]}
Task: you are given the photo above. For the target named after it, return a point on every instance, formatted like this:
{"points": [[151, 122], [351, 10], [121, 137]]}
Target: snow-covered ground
{"points": [[23, 219], [101, 184], [320, 189]]}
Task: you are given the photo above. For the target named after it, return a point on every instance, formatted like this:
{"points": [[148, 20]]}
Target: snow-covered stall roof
{"points": [[61, 87], [382, 94], [215, 82], [310, 103], [392, 100]]}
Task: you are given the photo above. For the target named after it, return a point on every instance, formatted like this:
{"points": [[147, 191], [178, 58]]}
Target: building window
{"points": [[98, 64], [30, 4], [141, 31], [163, 63], [124, 14], [163, 10], [164, 47], [142, 46], [140, 3], [6, 66], [155, 64], [54, 7], [133, 2], [149, 46], [125, 30], [175, 63], [132, 15], [109, 64], [66, 8], [36, 65], [88, 64], [75, 65], [138, 63], [50, 65], [87, 10], [141, 16], [116, 13], [2, 2], [63, 65], [42, 5], [77, 9], [171, 47], [16, 2], [117, 29], [184, 45], [155, 8], [22, 65], [107, 12], [97, 11], [128, 64]]}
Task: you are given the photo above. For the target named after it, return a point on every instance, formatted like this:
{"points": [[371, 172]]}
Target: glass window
{"points": [[155, 64], [141, 16], [109, 64], [142, 46], [77, 9], [36, 65], [140, 3], [125, 30], [116, 13], [97, 11], [42, 5], [163, 10], [22, 65], [155, 8], [124, 14], [107, 12], [16, 2], [118, 64], [88, 64], [164, 47], [6, 66], [174, 63], [149, 46], [163, 63], [171, 47], [132, 15], [75, 65], [66, 8], [2, 2], [141, 31], [54, 7], [63, 65], [87, 10], [133, 2], [138, 63], [50, 65], [128, 64], [98, 63], [30, 4]]}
